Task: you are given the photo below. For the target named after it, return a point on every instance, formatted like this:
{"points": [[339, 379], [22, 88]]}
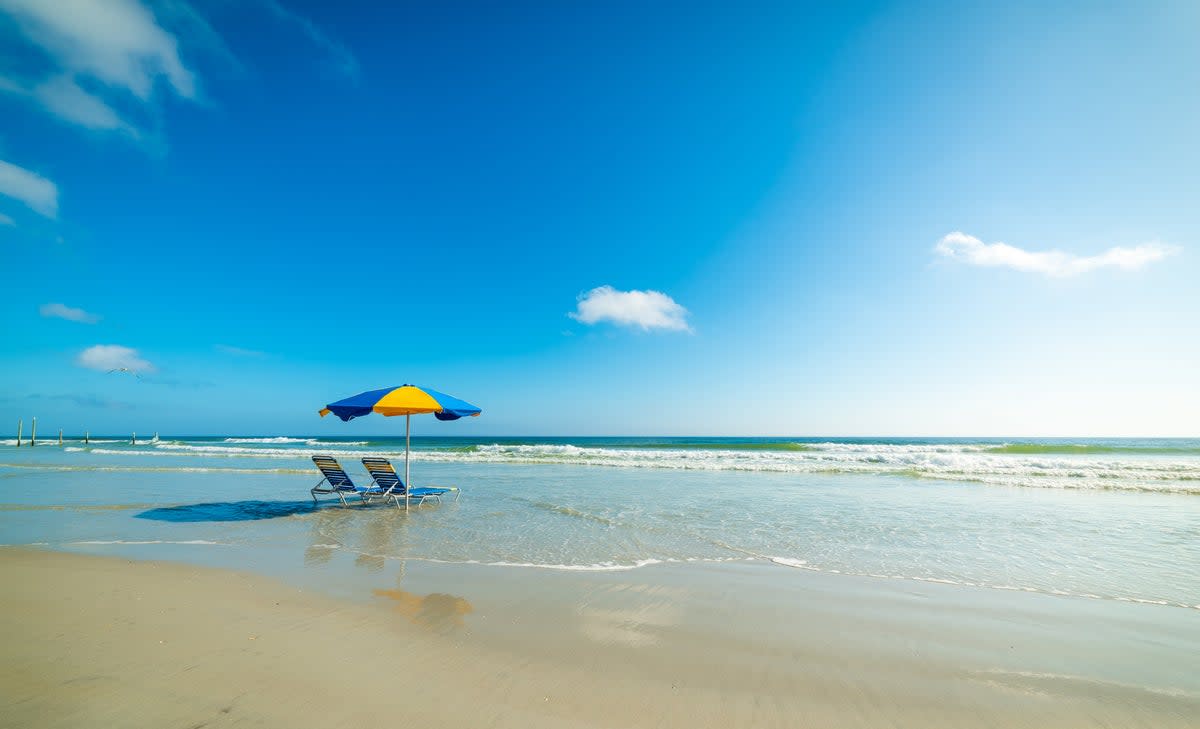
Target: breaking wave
{"points": [[1161, 466]]}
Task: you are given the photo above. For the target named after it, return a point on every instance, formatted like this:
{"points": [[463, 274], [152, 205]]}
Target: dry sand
{"points": [[97, 641]]}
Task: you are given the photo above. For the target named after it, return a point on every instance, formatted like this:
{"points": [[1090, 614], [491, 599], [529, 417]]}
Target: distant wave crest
{"points": [[1173, 468]]}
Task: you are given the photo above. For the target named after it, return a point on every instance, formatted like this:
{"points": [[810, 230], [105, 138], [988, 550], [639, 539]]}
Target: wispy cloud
{"points": [[340, 57], [63, 96], [116, 41], [239, 351], [111, 61], [5, 220], [30, 188], [70, 313], [647, 310], [105, 357], [968, 249], [116, 46]]}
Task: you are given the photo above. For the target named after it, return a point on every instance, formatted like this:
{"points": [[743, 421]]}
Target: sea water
{"points": [[1096, 519]]}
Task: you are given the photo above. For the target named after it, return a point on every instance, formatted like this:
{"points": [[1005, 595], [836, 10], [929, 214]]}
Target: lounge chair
{"points": [[336, 481], [388, 485]]}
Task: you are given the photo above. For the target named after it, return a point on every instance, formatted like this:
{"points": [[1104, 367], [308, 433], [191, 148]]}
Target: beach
{"points": [[192, 582], [104, 641], [614, 365]]}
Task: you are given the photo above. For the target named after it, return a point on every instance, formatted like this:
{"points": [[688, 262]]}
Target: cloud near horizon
{"points": [[647, 310], [34, 191], [959, 246], [70, 313], [105, 357]]}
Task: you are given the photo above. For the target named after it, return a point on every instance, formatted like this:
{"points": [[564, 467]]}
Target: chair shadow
{"points": [[230, 511]]}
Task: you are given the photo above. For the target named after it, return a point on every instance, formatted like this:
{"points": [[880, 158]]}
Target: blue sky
{"points": [[602, 218]]}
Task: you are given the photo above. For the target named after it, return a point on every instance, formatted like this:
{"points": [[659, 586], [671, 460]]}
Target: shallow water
{"points": [[1108, 520]]}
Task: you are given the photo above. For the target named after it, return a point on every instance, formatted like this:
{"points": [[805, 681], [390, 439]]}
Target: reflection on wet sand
{"points": [[437, 611], [328, 529], [380, 531], [630, 614], [383, 536]]}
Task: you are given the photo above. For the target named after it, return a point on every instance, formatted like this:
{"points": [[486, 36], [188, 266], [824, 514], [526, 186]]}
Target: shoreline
{"points": [[667, 645]]}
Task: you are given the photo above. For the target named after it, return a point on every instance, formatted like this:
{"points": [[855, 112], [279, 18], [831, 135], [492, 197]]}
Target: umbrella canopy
{"points": [[406, 400], [402, 400]]}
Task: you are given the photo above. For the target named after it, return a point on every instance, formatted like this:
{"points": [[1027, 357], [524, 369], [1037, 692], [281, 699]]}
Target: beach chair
{"points": [[388, 485], [336, 480]]}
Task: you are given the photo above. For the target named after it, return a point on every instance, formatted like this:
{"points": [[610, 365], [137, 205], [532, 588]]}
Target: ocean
{"points": [[1096, 519]]}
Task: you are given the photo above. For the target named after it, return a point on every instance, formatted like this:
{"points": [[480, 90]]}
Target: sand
{"points": [[100, 641]]}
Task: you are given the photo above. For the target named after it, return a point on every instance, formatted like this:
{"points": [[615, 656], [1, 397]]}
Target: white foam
{"points": [[598, 567], [977, 463], [150, 541], [791, 562], [150, 469], [592, 567]]}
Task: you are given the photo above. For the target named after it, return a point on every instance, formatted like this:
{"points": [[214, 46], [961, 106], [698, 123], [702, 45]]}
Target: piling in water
{"points": [[20, 426], [33, 435]]}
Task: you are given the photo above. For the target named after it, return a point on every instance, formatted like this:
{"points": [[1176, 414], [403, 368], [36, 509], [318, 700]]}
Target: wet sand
{"points": [[101, 641]]}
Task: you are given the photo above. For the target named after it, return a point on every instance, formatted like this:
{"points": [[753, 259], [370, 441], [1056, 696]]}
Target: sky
{"points": [[608, 218]]}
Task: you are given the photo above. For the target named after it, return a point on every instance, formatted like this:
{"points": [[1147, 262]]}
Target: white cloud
{"points": [[115, 46], [105, 357], [645, 309], [109, 58], [61, 95], [964, 248], [40, 194], [70, 313], [115, 41]]}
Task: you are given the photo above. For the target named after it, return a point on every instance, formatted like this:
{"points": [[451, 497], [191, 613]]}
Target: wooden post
{"points": [[134, 440], [20, 427], [85, 437], [33, 435], [60, 436]]}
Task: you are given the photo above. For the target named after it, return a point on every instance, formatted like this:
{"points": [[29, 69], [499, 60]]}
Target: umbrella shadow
{"points": [[229, 511], [437, 611]]}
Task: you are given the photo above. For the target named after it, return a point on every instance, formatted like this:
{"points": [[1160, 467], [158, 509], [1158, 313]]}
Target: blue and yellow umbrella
{"points": [[406, 400]]}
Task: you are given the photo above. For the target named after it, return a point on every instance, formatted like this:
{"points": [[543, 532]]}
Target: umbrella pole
{"points": [[407, 421]]}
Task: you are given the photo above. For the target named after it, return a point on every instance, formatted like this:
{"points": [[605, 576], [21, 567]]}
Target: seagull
{"points": [[126, 370]]}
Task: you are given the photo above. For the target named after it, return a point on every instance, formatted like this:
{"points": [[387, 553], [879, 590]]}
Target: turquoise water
{"points": [[1100, 519]]}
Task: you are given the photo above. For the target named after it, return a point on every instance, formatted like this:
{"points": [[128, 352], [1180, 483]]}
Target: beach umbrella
{"points": [[406, 400]]}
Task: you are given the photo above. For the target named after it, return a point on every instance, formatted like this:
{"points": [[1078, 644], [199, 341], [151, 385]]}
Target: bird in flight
{"points": [[125, 370]]}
